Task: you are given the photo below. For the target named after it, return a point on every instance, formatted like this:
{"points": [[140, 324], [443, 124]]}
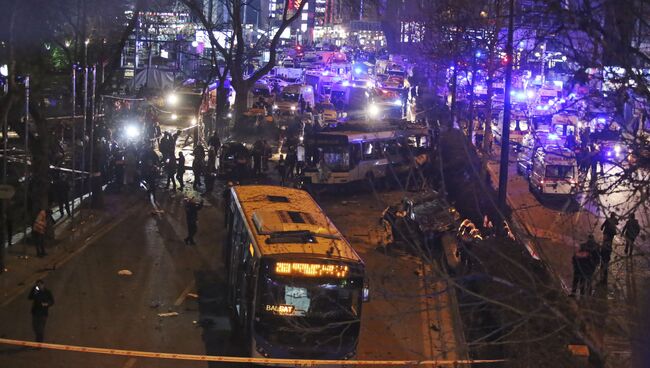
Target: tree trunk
{"points": [[241, 101]]}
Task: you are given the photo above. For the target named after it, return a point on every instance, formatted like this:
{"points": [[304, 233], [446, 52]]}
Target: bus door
{"points": [[373, 163], [241, 280]]}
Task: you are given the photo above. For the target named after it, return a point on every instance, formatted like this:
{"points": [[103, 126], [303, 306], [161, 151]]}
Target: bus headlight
{"points": [[373, 111]]}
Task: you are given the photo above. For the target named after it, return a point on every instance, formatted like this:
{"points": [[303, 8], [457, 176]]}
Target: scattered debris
{"points": [[169, 314], [192, 295], [124, 273]]}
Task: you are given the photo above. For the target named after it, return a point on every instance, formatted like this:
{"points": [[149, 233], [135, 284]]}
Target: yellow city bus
{"points": [[295, 284]]}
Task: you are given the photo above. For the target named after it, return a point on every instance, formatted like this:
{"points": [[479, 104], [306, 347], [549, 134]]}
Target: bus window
{"points": [[372, 150]]}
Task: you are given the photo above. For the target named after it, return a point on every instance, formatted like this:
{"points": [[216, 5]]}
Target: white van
{"points": [[519, 127], [554, 172], [288, 102]]}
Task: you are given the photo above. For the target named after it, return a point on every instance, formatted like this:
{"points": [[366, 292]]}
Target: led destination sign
{"points": [[311, 269]]}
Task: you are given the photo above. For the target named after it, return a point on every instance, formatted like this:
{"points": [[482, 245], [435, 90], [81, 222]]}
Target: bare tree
{"points": [[231, 55]]}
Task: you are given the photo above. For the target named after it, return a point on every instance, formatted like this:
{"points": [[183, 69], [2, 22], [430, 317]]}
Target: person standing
{"points": [[62, 194], [282, 170], [292, 158], [170, 170], [630, 231], [258, 149], [180, 170], [584, 266], [197, 169], [192, 216], [609, 232], [39, 230], [42, 300], [210, 170]]}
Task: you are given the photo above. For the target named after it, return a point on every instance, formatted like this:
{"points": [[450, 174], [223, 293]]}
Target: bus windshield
{"points": [[559, 172], [315, 313], [337, 158]]}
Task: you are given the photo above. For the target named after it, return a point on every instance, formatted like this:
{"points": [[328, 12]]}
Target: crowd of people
{"points": [[592, 259]]}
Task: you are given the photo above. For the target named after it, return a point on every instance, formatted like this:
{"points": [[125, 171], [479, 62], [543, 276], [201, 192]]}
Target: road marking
{"points": [[130, 363], [183, 295]]}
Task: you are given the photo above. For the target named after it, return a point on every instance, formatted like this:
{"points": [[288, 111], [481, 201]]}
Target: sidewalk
{"points": [[24, 268], [554, 234]]}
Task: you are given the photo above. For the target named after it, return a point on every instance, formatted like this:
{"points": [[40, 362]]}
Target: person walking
{"points": [[42, 300], [609, 228], [214, 142], [170, 170], [631, 230], [39, 229], [180, 170], [191, 217]]}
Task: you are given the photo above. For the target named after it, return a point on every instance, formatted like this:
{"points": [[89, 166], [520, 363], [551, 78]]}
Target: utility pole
{"points": [[74, 141], [470, 125], [505, 132], [91, 179], [26, 180]]}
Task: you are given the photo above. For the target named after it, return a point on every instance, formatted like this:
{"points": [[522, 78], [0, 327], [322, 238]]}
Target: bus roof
{"points": [[289, 221]]}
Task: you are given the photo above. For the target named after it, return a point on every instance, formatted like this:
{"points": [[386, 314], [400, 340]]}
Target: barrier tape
{"points": [[233, 359]]}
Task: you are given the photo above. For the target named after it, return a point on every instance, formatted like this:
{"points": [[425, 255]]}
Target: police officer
{"points": [[42, 300]]}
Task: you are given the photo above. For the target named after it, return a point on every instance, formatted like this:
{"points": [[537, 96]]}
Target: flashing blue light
{"points": [[358, 70], [558, 83], [601, 120], [478, 54], [520, 95], [553, 137], [551, 102], [540, 107], [397, 102], [346, 83]]}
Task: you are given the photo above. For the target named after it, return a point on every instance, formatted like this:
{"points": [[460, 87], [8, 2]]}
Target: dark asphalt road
{"points": [[97, 307]]}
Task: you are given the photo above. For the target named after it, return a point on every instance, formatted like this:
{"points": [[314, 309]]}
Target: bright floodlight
{"points": [[373, 111], [172, 99], [174, 116], [357, 70], [132, 131], [193, 121]]}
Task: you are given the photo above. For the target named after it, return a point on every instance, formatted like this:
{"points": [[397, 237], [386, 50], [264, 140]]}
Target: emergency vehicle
{"points": [[554, 172]]}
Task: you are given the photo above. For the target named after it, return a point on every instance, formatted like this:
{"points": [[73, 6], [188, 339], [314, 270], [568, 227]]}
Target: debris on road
{"points": [[169, 314], [124, 273], [192, 295]]}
